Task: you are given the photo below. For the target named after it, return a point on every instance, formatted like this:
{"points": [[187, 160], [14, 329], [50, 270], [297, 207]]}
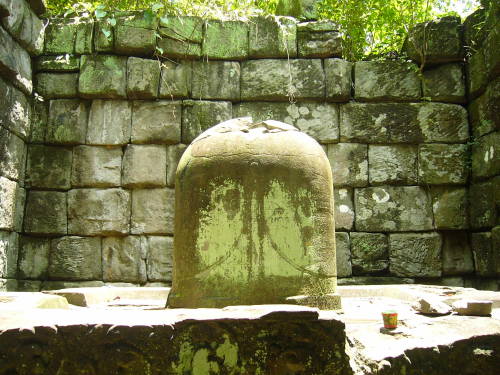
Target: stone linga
{"points": [[254, 219]]}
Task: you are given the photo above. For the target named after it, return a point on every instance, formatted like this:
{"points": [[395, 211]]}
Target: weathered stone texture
{"points": [[84, 37], [135, 34], [338, 79], [477, 77], [437, 41], [445, 123], [98, 212], [152, 211], [319, 120], [483, 212], [349, 163], [219, 80], [491, 53], [159, 258], [457, 254], [395, 164], [442, 164], [181, 37], [49, 167], [486, 156], [46, 213], [281, 80], [269, 37], [486, 257], [12, 155], [484, 110], [75, 258], [392, 209], [39, 121], [67, 121], [17, 119], [15, 63], [175, 81], [343, 251], [57, 85], [124, 259], [33, 257], [225, 40], [174, 154], [96, 166], [415, 254], [8, 254], [103, 76], [319, 39], [198, 116], [386, 81], [449, 206], [370, 253], [60, 36], [104, 37], [59, 63], [109, 122], [344, 209], [445, 83], [144, 166], [143, 78], [156, 122]]}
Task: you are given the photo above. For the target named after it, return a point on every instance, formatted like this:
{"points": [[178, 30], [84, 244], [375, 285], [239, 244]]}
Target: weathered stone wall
{"points": [[118, 112], [21, 38]]}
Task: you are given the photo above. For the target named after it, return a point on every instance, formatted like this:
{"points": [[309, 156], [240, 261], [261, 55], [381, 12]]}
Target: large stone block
{"points": [[98, 212], [486, 156], [124, 259], [441, 122], [370, 253], [442, 164], [23, 24], [96, 166], [282, 80], [349, 162], [415, 254], [319, 39], [110, 122], [272, 38], [104, 37], [319, 120], [159, 258], [143, 78], [338, 79], [8, 254], [152, 211], [482, 212], [144, 166], [445, 83], [75, 258], [12, 155], [216, 80], [484, 110], [135, 34], [477, 76], [180, 37], [486, 257], [386, 81], [392, 209], [12, 17], [435, 42], [174, 154], [67, 121], [175, 81], [33, 257], [46, 213], [198, 116], [103, 76], [39, 121], [156, 122], [491, 53], [344, 209], [396, 164], [449, 206], [60, 36], [12, 199], [49, 167], [18, 118], [15, 63], [59, 63], [343, 251], [457, 254], [84, 37], [225, 40]]}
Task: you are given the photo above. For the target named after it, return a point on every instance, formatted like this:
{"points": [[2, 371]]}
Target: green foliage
{"points": [[372, 28]]}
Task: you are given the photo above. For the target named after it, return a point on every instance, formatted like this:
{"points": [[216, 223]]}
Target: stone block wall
{"points": [[21, 38], [119, 110]]}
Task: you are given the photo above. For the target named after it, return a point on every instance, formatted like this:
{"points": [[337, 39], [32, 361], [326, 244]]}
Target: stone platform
{"points": [[123, 331]]}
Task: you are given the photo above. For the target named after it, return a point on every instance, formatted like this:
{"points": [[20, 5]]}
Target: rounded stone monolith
{"points": [[253, 218]]}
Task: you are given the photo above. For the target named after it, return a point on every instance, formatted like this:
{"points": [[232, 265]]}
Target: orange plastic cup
{"points": [[390, 319]]}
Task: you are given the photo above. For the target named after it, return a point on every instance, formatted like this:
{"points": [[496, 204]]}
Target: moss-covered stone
{"points": [[486, 257], [491, 53], [449, 206], [344, 208], [46, 213], [445, 83], [144, 166], [483, 212], [175, 81], [180, 37], [477, 78], [33, 257], [159, 258], [84, 37], [57, 85], [319, 39], [135, 34], [370, 253], [109, 122], [8, 200], [483, 111], [338, 79], [96, 166], [152, 211], [174, 153], [218, 80], [103, 76], [49, 167], [156, 122], [442, 164], [439, 122], [60, 36], [225, 40], [12, 155], [457, 254], [67, 121], [396, 164], [486, 156], [343, 254], [65, 63], [104, 37], [9, 244], [143, 78], [124, 259], [272, 37], [198, 116], [349, 163]]}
